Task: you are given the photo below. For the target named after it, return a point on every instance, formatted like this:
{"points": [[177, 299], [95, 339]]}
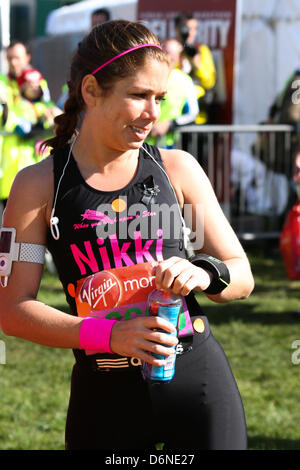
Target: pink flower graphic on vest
{"points": [[96, 215], [101, 291]]}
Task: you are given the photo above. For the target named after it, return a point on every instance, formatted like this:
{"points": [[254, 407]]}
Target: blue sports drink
{"points": [[165, 305]]}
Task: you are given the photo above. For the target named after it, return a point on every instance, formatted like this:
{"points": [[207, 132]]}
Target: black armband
{"points": [[219, 270]]}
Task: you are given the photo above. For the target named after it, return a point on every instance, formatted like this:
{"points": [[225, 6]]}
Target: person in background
{"points": [[197, 61], [15, 151], [18, 59], [27, 119], [44, 112], [284, 110], [99, 16], [296, 173], [18, 115], [180, 105], [290, 231]]}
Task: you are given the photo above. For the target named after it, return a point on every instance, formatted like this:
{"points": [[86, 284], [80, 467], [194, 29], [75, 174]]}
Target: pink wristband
{"points": [[95, 334]]}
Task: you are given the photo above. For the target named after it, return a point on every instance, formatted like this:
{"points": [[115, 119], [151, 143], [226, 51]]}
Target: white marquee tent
{"points": [[269, 51], [77, 17]]}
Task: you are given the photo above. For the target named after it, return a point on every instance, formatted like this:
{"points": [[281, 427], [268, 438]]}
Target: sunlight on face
{"points": [[125, 117]]}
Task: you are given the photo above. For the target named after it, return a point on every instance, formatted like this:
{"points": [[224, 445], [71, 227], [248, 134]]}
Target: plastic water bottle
{"points": [[165, 305]]}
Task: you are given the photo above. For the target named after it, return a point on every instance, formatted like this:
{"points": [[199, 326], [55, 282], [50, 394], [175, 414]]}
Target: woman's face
{"points": [[124, 117]]}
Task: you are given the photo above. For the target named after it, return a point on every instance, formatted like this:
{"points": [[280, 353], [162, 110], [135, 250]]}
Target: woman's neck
{"points": [[101, 158], [102, 168]]}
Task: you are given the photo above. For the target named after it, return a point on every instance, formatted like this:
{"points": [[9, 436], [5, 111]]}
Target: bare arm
{"points": [[22, 315], [211, 227]]}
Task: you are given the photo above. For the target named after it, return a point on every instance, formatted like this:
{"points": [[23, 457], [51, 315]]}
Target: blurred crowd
{"points": [[26, 115], [27, 118], [27, 112]]}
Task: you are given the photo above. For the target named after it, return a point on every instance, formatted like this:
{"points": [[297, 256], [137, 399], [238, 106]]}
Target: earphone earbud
{"points": [[54, 220]]}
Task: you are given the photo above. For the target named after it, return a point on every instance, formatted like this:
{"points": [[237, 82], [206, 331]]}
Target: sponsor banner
{"points": [[121, 294]]}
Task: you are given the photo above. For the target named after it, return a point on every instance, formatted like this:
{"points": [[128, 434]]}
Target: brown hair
{"points": [[104, 42]]}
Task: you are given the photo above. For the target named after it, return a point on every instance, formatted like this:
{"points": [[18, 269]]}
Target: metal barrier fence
{"points": [[250, 168]]}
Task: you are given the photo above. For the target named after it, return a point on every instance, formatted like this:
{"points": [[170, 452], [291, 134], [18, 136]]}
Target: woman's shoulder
{"points": [[37, 173], [184, 172], [179, 160], [30, 198], [35, 180]]}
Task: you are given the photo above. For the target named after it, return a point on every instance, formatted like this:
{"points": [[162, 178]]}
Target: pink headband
{"points": [[123, 53]]}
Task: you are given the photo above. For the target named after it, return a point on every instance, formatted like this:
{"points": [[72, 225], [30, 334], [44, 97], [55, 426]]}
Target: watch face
{"points": [[5, 241]]}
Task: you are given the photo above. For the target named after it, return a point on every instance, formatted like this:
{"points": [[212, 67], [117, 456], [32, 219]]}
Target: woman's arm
{"points": [[214, 235], [23, 316]]}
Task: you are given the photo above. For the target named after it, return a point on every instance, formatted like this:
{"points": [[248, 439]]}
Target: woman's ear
{"points": [[90, 90]]}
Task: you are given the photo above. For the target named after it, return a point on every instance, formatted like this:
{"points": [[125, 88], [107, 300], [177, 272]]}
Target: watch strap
{"points": [[219, 270]]}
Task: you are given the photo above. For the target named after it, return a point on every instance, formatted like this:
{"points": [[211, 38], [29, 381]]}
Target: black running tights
{"points": [[200, 409]]}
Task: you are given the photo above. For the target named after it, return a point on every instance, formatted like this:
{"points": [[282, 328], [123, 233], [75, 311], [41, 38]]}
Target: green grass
{"points": [[34, 385], [257, 335]]}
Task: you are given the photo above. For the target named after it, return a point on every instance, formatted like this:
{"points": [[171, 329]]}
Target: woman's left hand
{"points": [[180, 276]]}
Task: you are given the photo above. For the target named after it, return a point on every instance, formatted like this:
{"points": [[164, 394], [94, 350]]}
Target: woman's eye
{"points": [[142, 96]]}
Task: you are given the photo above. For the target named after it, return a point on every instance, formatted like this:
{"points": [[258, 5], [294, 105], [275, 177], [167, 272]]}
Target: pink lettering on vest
{"points": [[159, 245], [80, 258], [118, 254], [140, 250], [103, 254]]}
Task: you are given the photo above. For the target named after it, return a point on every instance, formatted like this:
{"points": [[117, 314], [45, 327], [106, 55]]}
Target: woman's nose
{"points": [[152, 109]]}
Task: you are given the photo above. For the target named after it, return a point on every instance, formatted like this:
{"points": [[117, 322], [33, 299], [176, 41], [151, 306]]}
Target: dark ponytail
{"points": [[65, 124]]}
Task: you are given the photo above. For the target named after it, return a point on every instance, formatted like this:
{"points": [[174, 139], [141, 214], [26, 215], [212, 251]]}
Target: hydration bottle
{"points": [[165, 305]]}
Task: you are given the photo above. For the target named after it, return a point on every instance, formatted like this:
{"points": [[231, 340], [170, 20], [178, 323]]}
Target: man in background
{"points": [[18, 60], [101, 15], [197, 61], [17, 115]]}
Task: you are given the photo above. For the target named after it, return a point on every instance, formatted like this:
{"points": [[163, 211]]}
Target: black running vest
{"points": [[107, 229]]}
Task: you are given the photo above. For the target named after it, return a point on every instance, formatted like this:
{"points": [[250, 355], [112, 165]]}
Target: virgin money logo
{"points": [[101, 291]]}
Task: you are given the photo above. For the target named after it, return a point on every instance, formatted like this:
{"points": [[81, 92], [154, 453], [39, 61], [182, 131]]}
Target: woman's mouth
{"points": [[140, 132]]}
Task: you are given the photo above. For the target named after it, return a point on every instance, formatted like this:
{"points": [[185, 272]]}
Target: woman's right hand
{"points": [[139, 338]]}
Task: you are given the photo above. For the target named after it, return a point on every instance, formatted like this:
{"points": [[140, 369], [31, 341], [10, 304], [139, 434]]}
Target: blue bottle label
{"points": [[163, 373]]}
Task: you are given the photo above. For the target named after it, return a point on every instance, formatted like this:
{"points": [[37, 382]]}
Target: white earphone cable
{"points": [[53, 219], [185, 230]]}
